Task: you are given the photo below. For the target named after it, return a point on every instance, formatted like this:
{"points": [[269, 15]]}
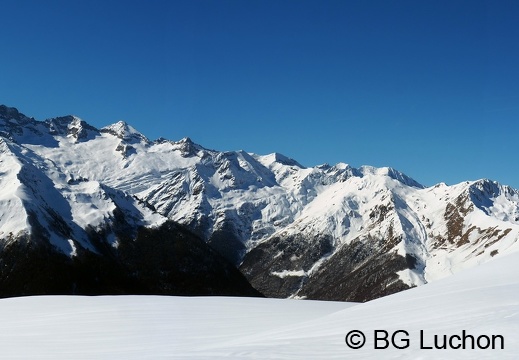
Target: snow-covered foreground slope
{"points": [[480, 301]]}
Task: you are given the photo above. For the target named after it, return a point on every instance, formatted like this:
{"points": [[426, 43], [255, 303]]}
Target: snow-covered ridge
{"points": [[308, 227]]}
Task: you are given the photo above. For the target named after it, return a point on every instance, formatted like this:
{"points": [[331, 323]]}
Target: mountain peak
{"points": [[281, 159], [187, 147], [124, 131], [71, 126], [11, 113], [186, 140], [392, 173]]}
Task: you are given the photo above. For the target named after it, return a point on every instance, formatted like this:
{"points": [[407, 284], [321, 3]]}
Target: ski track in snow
{"points": [[482, 301]]}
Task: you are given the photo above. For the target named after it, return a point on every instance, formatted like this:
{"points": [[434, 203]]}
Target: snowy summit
{"points": [[331, 232]]}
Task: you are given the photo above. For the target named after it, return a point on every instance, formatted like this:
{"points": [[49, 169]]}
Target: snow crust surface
{"points": [[482, 301]]}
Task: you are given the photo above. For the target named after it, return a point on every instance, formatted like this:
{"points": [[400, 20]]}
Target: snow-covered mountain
{"points": [[326, 232], [63, 230]]}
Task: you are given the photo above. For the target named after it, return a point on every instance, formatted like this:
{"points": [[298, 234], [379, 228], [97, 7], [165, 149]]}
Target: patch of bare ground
{"points": [[457, 233]]}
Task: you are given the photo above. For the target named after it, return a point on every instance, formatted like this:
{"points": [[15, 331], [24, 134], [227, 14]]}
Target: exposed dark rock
{"points": [[125, 150], [9, 113]]}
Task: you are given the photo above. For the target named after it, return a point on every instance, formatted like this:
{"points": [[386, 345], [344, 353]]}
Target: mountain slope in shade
{"points": [[327, 232]]}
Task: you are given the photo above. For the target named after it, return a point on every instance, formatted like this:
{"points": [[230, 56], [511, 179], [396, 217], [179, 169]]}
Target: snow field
{"points": [[480, 301]]}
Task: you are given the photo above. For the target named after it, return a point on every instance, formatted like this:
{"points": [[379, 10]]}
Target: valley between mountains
{"points": [[108, 211]]}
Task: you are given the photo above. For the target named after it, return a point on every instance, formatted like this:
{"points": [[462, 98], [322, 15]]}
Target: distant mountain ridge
{"points": [[64, 233], [326, 232]]}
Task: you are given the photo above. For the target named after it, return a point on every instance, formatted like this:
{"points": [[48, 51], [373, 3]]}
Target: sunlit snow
{"points": [[481, 301]]}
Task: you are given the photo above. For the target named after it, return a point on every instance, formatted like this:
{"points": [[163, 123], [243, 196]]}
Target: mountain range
{"points": [[91, 211]]}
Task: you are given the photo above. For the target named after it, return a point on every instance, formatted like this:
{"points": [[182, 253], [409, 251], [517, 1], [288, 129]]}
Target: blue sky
{"points": [[430, 88]]}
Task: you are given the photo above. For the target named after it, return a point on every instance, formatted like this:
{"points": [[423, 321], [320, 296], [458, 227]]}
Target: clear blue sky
{"points": [[430, 88]]}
